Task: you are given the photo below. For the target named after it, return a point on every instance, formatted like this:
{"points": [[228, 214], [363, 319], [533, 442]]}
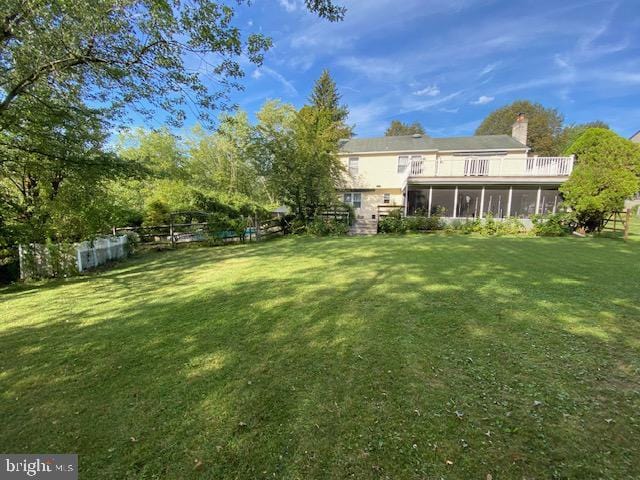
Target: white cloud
{"points": [[374, 68], [561, 62], [289, 88], [449, 110], [430, 91], [489, 68], [289, 5], [483, 100]]}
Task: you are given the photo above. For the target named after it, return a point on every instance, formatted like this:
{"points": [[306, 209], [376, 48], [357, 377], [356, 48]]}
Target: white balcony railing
{"points": [[491, 167]]}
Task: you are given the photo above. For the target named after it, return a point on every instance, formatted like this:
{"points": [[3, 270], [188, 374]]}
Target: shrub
{"points": [[327, 226], [133, 240], [393, 223], [510, 226], [553, 225]]}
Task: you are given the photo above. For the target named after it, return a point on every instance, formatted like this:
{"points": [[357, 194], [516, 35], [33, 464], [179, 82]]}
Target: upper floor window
{"points": [[386, 198], [354, 163], [403, 162]]}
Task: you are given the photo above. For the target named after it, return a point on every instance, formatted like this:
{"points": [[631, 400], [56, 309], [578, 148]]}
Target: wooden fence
{"points": [[176, 233]]}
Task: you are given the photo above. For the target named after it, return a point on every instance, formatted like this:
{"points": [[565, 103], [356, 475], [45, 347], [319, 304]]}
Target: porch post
{"points": [[430, 197], [455, 203], [406, 200], [482, 202], [538, 200], [509, 202]]}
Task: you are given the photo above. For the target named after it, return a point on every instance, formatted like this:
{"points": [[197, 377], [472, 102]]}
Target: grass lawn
{"points": [[379, 357]]}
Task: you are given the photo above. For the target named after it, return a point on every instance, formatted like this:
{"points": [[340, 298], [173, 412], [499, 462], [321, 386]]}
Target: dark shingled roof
{"points": [[425, 143]]}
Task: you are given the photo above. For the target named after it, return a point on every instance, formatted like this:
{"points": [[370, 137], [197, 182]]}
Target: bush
{"points": [[327, 226], [511, 226], [393, 223], [553, 225], [133, 241]]}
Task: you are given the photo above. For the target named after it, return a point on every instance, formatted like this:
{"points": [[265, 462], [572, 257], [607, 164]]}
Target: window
{"points": [[523, 202], [496, 201], [403, 161], [468, 204], [549, 200], [442, 201], [386, 198], [353, 165], [353, 198]]}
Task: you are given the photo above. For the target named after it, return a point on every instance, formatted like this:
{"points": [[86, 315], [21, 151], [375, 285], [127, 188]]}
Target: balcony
{"points": [[491, 167]]}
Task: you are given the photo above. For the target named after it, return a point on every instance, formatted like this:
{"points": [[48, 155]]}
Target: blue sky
{"points": [[448, 63]]}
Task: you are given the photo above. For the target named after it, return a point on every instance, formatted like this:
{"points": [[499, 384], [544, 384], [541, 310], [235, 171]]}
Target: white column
{"points": [[430, 199], [509, 202], [406, 200], [455, 203], [538, 200], [482, 203]]}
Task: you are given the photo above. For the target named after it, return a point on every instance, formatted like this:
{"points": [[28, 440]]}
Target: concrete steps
{"points": [[364, 227]]}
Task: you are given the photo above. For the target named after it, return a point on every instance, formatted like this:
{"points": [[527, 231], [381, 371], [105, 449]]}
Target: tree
{"points": [[570, 133], [544, 129], [223, 161], [607, 172], [398, 128], [299, 157], [325, 96], [132, 53]]}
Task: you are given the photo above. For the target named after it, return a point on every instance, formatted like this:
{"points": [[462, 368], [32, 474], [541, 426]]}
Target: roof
{"points": [[421, 143], [635, 137]]}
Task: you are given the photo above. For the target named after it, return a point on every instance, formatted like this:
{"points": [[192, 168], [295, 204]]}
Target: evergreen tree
{"points": [[325, 96]]}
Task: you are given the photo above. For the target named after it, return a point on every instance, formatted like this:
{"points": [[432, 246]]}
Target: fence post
{"points": [[171, 233], [113, 230], [627, 224]]}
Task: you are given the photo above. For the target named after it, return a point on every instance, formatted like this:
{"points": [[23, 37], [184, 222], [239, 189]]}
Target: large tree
{"points": [[607, 172], [325, 95], [298, 153], [570, 133], [544, 129], [398, 128], [134, 53]]}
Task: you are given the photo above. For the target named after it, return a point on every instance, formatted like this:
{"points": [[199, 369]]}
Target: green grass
{"points": [[334, 358]]}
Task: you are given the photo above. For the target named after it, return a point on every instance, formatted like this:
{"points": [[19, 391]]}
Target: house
{"points": [[635, 137], [458, 177]]}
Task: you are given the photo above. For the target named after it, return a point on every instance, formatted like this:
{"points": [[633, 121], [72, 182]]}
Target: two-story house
{"points": [[459, 177]]}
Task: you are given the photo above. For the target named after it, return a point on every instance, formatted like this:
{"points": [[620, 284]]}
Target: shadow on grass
{"points": [[307, 358]]}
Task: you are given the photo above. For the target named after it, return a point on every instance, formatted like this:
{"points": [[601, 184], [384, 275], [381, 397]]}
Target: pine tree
{"points": [[325, 96]]}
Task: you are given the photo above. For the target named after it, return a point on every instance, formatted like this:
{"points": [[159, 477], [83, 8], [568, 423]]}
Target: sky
{"points": [[448, 63]]}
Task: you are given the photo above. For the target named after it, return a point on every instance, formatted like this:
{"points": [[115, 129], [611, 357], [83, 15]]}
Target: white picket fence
{"points": [[56, 260]]}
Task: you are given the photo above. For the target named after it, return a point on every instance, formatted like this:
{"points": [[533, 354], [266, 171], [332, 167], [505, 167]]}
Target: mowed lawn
{"points": [[419, 356]]}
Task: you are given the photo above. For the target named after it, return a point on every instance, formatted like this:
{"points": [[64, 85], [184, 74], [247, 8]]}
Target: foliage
{"points": [[394, 222], [544, 127], [398, 128], [48, 260], [130, 54], [607, 172], [554, 225], [157, 213], [570, 133], [322, 226], [325, 96], [488, 226], [298, 156]]}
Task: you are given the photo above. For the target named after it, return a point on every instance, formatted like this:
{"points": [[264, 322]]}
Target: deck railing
{"points": [[491, 166]]}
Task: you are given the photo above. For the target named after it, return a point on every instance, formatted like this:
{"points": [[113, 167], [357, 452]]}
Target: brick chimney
{"points": [[519, 128]]}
